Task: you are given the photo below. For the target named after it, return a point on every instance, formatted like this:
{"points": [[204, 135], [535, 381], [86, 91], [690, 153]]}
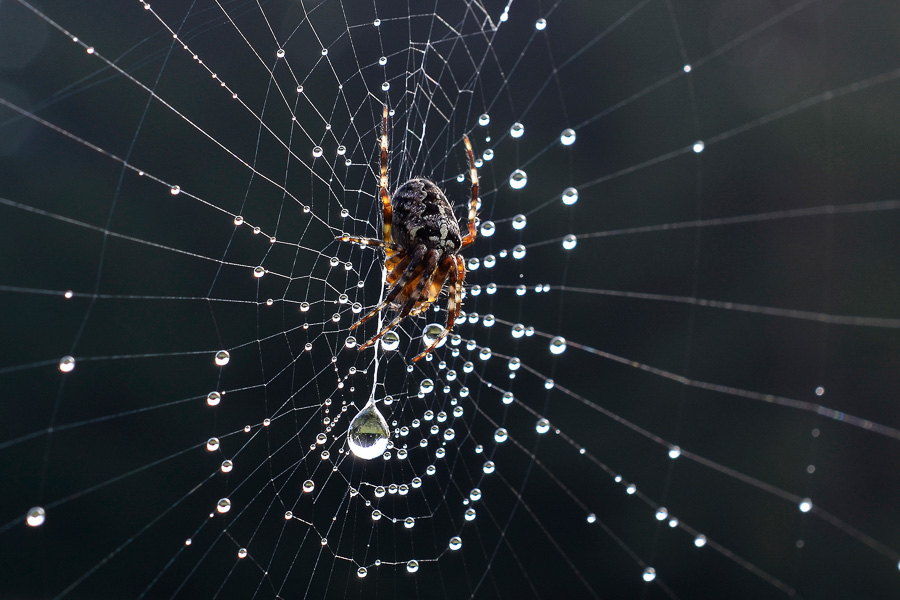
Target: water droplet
{"points": [[699, 146], [519, 251], [377, 22], [517, 130], [242, 553], [324, 51], [280, 53], [36, 517], [519, 221], [222, 357], [514, 364], [376, 515], [674, 452], [382, 61], [649, 574], [385, 86], [175, 190], [591, 518], [473, 264], [700, 541], [226, 466], [558, 345], [212, 444], [687, 68], [662, 513], [488, 467], [362, 571], [548, 384], [259, 271], [484, 353], [806, 505], [317, 151], [368, 435], [309, 485], [542, 426], [432, 332], [488, 154], [518, 179], [426, 386], [449, 434], [66, 364], [820, 391], [569, 242], [631, 489], [501, 435], [213, 398], [540, 24], [350, 342], [390, 341], [567, 137], [469, 514], [223, 505], [518, 330], [484, 119], [570, 196]]}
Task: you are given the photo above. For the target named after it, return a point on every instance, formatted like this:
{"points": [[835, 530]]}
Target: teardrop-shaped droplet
{"points": [[369, 434]]}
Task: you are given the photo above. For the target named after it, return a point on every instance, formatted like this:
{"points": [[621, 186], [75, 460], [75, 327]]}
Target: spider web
{"points": [[674, 374]]}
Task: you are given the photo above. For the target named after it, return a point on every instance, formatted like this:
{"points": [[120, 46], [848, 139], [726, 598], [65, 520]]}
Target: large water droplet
{"points": [[518, 179], [390, 341], [36, 517], [369, 434], [66, 364], [519, 221], [542, 426], [432, 332], [649, 574], [412, 566], [569, 242], [570, 196], [517, 130], [222, 357], [558, 345], [455, 543], [567, 138], [223, 505], [484, 119]]}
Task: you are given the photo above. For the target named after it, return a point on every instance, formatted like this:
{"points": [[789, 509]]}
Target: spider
{"points": [[422, 240]]}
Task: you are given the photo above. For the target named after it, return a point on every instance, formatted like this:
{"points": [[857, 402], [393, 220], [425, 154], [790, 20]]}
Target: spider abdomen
{"points": [[422, 215]]}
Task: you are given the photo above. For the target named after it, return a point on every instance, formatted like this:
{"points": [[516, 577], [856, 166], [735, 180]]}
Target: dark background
{"points": [[125, 475]]}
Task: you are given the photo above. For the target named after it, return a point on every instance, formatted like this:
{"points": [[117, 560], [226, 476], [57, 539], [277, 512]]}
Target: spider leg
{"points": [[430, 264], [436, 285], [370, 242], [455, 288], [414, 269], [387, 210], [473, 173]]}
